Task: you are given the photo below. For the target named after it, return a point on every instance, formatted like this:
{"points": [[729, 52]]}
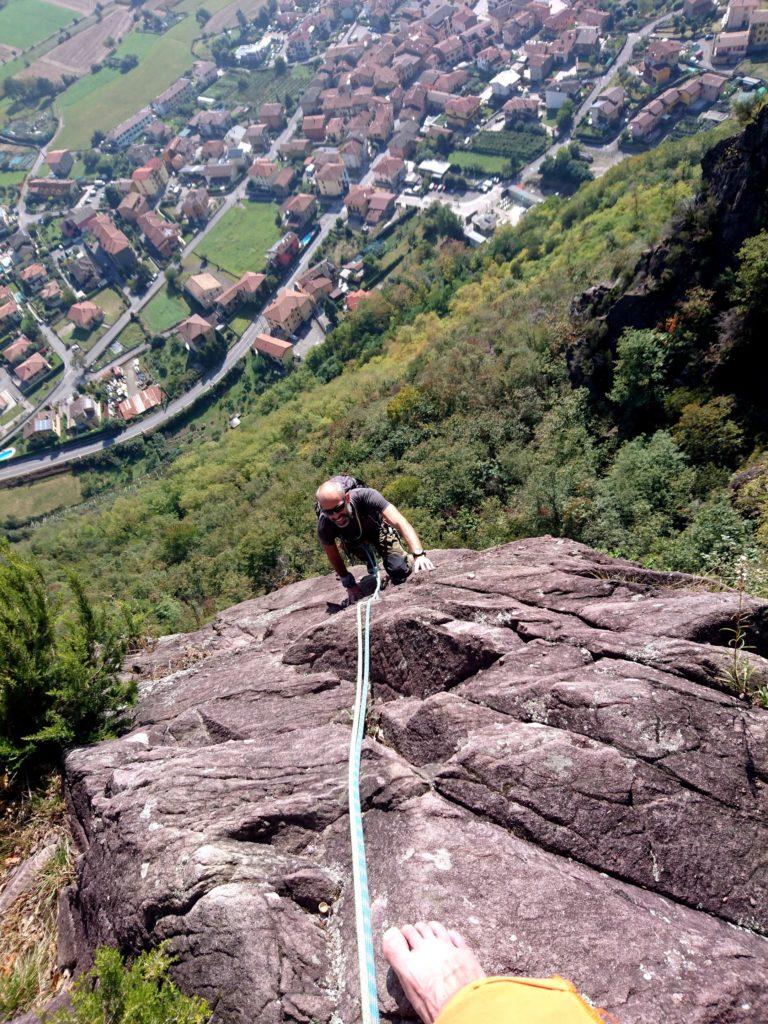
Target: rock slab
{"points": [[555, 765]]}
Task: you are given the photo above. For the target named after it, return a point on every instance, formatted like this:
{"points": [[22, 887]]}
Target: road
{"points": [[74, 376], [623, 58]]}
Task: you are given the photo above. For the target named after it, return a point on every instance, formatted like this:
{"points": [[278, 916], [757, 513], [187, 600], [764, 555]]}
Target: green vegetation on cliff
{"points": [[453, 391]]}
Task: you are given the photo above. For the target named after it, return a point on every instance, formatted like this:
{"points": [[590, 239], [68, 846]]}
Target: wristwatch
{"points": [[418, 554]]}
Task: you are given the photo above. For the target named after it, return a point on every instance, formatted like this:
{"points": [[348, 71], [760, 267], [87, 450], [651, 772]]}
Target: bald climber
{"points": [[368, 527]]}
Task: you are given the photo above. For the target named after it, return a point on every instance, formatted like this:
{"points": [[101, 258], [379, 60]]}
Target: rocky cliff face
{"points": [[731, 206], [554, 765]]}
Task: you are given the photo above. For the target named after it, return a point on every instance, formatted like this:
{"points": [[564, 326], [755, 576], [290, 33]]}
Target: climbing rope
{"points": [[369, 1000]]}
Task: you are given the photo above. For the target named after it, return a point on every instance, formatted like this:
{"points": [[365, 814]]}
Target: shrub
{"points": [[141, 993], [59, 667]]}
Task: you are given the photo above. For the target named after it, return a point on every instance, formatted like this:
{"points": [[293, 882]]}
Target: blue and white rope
{"points": [[369, 1000]]}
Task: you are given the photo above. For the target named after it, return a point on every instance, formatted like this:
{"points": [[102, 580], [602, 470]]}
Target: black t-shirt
{"points": [[364, 523]]}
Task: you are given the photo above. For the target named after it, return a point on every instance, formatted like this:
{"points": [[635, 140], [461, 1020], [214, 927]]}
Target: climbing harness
{"points": [[369, 1000]]}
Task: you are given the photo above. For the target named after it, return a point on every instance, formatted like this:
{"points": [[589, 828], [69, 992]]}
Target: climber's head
{"points": [[333, 502]]}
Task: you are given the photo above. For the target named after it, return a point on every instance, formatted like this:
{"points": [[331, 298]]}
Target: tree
{"points": [[202, 15], [142, 277], [59, 666], [565, 117], [97, 138], [241, 19], [129, 61], [639, 373], [441, 222], [211, 351], [280, 65], [30, 327], [172, 275], [112, 196]]}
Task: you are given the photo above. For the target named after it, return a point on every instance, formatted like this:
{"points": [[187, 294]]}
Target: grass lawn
{"points": [[489, 164], [241, 238], [108, 97], [40, 497], [111, 302], [239, 324], [164, 310], [754, 69], [26, 22], [9, 415]]}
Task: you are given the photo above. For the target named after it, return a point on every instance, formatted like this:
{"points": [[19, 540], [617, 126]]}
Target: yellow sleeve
{"points": [[519, 1001]]}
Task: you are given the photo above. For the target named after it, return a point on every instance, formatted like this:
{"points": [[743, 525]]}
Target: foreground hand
{"points": [[422, 564]]}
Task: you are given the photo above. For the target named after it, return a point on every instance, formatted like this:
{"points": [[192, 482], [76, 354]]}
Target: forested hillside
{"points": [[491, 396]]}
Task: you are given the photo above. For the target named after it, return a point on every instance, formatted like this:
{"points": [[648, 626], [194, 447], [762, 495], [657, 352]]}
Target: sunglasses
{"points": [[341, 507]]}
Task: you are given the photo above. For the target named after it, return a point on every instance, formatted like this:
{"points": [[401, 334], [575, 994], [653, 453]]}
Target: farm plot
{"points": [[108, 97], [23, 23], [77, 6], [76, 55], [227, 16]]}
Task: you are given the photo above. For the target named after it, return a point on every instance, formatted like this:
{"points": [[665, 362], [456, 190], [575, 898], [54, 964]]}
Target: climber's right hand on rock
{"points": [[354, 593]]}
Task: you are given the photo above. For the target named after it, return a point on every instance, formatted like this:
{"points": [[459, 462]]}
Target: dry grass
{"points": [[28, 973]]}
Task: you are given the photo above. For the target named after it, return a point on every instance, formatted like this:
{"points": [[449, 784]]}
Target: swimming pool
{"points": [[7, 453]]}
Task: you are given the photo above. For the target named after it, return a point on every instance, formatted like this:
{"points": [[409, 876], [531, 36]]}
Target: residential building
{"points": [[78, 221], [174, 96], [123, 134], [133, 206], [162, 235], [272, 115], [711, 86], [299, 211], [282, 183], [661, 60], [85, 315], [607, 109], [262, 172], [193, 330], [257, 136], [353, 155], [332, 179], [151, 178], [33, 277], [60, 161], [51, 294], [504, 83], [284, 251], [112, 243], [18, 350], [221, 174], [53, 188], [9, 314], [83, 413], [247, 289], [204, 288], [45, 425], [313, 127], [274, 348], [204, 72], [461, 111], [84, 274], [521, 108], [299, 46], [694, 9], [689, 91], [389, 172], [353, 299], [289, 311], [140, 403], [195, 205], [32, 369]]}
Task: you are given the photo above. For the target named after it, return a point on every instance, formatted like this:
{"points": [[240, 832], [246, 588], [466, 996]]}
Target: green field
{"points": [[111, 302], [26, 22], [163, 311], [9, 178], [108, 97], [241, 238], [466, 160], [39, 498]]}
